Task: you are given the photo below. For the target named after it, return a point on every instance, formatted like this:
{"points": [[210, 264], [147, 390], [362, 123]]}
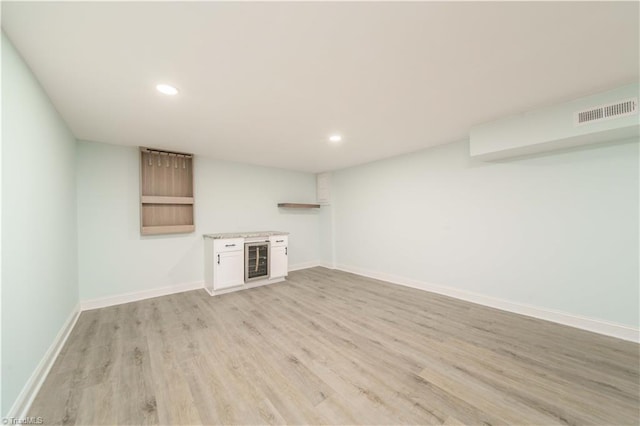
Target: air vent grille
{"points": [[591, 115], [606, 112], [622, 108]]}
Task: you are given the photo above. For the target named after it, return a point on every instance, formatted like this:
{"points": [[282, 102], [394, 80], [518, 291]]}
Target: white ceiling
{"points": [[267, 83]]}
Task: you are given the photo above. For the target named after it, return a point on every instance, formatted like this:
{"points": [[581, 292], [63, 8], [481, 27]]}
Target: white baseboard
{"points": [[304, 265], [23, 402], [139, 295], [619, 331], [119, 299]]}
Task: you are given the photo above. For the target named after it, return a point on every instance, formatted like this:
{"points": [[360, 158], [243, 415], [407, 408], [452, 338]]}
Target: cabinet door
{"points": [[279, 262], [228, 269]]}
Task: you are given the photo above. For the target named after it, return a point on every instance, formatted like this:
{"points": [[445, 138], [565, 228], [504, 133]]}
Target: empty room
{"points": [[320, 213]]}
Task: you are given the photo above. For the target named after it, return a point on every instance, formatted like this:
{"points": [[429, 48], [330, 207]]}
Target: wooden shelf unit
{"points": [[166, 192]]}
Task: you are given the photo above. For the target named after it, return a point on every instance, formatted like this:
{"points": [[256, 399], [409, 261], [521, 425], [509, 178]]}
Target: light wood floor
{"points": [[328, 347]]}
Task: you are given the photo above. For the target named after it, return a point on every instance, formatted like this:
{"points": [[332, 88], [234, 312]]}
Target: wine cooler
{"points": [[256, 260]]}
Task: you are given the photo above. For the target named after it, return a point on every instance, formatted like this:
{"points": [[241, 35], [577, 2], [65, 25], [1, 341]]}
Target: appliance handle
{"points": [[257, 243]]}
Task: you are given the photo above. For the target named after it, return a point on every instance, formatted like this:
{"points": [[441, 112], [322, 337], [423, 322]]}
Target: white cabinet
{"points": [[228, 255], [224, 263], [279, 262], [228, 269], [279, 256]]}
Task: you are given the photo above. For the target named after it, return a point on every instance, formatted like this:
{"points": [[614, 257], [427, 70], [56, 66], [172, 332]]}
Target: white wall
{"points": [[327, 237], [39, 251], [557, 231], [114, 259]]}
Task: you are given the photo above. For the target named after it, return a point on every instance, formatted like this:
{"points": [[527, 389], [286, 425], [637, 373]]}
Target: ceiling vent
{"points": [[606, 112]]}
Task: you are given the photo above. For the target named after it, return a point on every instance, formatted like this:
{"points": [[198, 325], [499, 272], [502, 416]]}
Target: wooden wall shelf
{"points": [[155, 199], [168, 229], [299, 206], [166, 192]]}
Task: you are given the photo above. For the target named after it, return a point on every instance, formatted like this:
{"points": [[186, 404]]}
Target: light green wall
{"points": [[325, 228], [556, 231], [39, 242], [114, 258], [553, 126]]}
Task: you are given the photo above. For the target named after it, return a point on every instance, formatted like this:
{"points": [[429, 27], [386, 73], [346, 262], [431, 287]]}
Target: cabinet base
{"points": [[244, 286]]}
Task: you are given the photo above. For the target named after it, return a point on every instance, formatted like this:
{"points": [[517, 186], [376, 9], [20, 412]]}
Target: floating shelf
{"points": [[299, 206]]}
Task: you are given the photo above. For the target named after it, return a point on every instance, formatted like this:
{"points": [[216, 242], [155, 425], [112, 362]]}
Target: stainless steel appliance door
{"points": [[256, 260]]}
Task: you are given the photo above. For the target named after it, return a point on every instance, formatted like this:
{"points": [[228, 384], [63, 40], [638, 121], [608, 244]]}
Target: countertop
{"points": [[222, 236]]}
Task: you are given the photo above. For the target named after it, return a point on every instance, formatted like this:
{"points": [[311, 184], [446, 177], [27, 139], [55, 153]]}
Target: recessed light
{"points": [[167, 89], [335, 138]]}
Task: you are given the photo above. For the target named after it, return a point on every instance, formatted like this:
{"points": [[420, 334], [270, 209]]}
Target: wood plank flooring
{"points": [[328, 347]]}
